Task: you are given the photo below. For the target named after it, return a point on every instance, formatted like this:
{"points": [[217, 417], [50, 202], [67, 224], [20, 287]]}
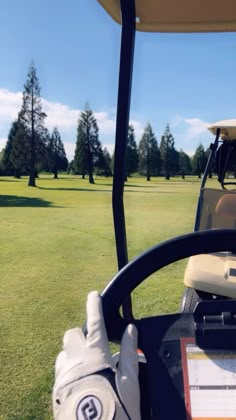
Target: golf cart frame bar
{"points": [[122, 123], [213, 148]]}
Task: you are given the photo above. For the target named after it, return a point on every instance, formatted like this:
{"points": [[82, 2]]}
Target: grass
{"points": [[57, 244]]}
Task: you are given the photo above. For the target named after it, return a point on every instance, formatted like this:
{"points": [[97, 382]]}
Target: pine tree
{"points": [[32, 117], [199, 161], [15, 156], [7, 164], [56, 154], [107, 163], [88, 152], [185, 166], [131, 153], [212, 167], [2, 170], [19, 153], [169, 155], [43, 151], [149, 154]]}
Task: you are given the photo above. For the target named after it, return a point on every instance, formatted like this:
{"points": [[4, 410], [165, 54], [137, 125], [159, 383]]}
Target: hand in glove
{"points": [[88, 385]]}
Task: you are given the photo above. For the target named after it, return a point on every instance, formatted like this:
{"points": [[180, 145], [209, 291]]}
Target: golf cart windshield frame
{"points": [[128, 15], [122, 123], [128, 18], [213, 148]]}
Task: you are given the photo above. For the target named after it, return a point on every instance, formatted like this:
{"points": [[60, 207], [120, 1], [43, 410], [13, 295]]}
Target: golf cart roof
{"points": [[227, 129], [179, 15]]}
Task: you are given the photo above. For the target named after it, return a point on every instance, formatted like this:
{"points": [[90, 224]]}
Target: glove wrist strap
{"points": [[92, 397]]}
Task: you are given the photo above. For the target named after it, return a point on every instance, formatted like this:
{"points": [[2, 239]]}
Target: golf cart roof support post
{"points": [[213, 149], [122, 123]]}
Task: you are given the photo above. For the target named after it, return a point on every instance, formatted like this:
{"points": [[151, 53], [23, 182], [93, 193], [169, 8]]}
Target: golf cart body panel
{"points": [[178, 16]]}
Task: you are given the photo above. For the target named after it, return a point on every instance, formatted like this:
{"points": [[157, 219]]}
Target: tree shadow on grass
{"points": [[16, 201], [73, 189], [139, 186], [178, 181], [11, 180], [127, 184], [107, 191]]}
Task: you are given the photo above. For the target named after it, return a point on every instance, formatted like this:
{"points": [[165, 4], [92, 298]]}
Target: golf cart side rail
{"points": [[213, 148]]}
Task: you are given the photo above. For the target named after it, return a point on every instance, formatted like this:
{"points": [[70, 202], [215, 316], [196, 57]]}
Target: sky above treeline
{"points": [[186, 80]]}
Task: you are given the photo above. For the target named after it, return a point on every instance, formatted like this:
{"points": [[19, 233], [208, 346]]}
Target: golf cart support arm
{"points": [[122, 123], [213, 148]]}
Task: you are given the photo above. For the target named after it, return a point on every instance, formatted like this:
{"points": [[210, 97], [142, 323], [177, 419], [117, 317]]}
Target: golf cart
{"points": [[190, 357], [213, 276]]}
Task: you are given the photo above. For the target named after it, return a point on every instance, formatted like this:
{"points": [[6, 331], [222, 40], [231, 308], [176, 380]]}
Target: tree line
{"points": [[31, 148], [148, 158]]}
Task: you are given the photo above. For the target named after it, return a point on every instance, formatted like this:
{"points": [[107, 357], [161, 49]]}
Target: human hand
{"points": [[88, 385]]}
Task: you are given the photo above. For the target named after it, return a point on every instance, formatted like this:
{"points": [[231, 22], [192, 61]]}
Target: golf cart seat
{"points": [[214, 273], [217, 209]]}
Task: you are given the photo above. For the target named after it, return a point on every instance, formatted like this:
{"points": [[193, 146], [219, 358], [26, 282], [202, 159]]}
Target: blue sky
{"points": [[188, 81]]}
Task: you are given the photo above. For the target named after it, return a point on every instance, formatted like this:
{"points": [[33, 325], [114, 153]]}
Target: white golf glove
{"points": [[88, 385]]}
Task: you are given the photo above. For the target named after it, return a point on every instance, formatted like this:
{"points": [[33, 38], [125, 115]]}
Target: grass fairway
{"points": [[57, 243]]}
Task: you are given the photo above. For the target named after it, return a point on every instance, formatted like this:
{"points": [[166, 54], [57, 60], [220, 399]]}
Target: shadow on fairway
{"points": [[178, 181], [139, 186], [16, 201], [11, 180], [73, 189], [150, 192], [109, 191]]}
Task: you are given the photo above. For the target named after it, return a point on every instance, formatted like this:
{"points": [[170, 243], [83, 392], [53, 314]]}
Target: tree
{"points": [[185, 166], [199, 160], [56, 154], [149, 154], [19, 153], [42, 163], [70, 169], [2, 170], [15, 157], [131, 153], [88, 151], [32, 117], [169, 155], [7, 164], [212, 168], [107, 163]]}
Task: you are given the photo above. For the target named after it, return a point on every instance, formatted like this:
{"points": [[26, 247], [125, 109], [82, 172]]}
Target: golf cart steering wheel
{"points": [[160, 336]]}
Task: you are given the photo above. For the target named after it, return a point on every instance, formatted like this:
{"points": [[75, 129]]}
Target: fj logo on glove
{"points": [[90, 408]]}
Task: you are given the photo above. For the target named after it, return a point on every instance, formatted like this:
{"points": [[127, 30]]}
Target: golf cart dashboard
{"points": [[190, 374]]}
